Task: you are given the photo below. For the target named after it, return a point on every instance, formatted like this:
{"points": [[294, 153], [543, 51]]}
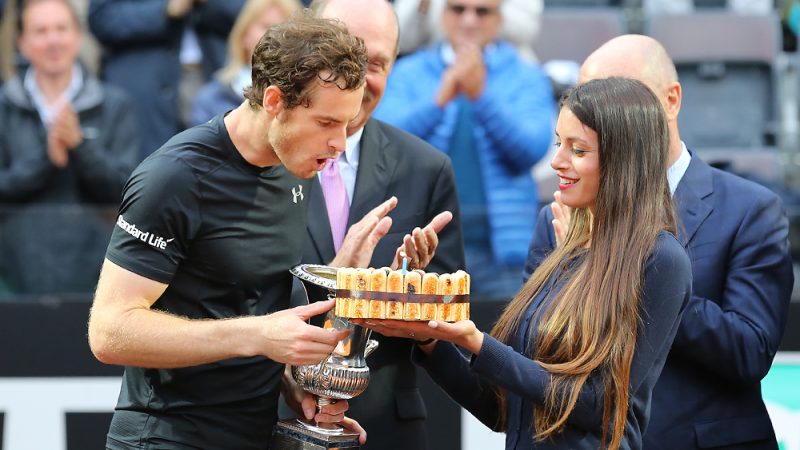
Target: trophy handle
{"points": [[372, 345]]}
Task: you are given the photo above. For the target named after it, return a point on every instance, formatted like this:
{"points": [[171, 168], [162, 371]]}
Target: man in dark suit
{"points": [[735, 232], [388, 162]]}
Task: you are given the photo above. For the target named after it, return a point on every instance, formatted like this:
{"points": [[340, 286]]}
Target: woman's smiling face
{"points": [[576, 162]]}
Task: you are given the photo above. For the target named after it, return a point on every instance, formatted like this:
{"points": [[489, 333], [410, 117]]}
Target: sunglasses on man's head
{"points": [[480, 11]]}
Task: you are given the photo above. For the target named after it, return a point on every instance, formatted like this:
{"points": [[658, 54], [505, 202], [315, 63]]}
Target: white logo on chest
{"points": [[297, 193]]}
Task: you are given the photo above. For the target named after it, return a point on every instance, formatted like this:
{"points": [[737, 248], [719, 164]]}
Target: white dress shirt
{"points": [[676, 171]]}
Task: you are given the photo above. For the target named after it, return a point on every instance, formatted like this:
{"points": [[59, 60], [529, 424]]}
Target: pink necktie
{"points": [[336, 201]]}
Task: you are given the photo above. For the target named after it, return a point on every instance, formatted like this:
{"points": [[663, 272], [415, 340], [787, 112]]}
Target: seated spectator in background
{"points": [[67, 139], [142, 42], [421, 23], [74, 139], [226, 90], [473, 97]]}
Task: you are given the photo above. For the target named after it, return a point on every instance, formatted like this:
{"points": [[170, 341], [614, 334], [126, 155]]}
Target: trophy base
{"points": [[290, 435]]}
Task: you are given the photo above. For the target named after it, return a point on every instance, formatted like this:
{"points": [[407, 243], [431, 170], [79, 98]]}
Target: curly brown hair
{"points": [[293, 54]]}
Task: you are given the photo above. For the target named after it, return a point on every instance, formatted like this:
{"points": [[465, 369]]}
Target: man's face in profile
{"points": [[305, 137]]}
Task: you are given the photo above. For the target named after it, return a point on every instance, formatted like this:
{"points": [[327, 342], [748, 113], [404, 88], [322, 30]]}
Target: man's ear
{"points": [[273, 100], [674, 96]]}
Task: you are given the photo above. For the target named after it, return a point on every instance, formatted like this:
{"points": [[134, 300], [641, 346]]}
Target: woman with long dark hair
{"points": [[572, 360]]}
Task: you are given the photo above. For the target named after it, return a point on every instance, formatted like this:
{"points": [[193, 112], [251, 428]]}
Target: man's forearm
{"points": [[145, 338]]}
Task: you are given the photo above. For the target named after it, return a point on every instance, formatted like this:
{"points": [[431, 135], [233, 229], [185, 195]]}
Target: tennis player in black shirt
{"points": [[193, 295]]}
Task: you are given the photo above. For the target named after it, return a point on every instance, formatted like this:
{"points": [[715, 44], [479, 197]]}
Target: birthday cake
{"points": [[402, 295]]}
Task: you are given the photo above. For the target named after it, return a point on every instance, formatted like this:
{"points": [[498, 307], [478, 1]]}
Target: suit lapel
{"points": [[319, 229], [376, 167], [693, 199]]}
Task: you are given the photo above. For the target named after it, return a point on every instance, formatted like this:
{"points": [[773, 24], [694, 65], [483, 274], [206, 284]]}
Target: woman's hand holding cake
{"points": [[463, 333]]}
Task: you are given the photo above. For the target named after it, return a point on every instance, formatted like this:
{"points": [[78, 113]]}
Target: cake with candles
{"points": [[402, 294]]}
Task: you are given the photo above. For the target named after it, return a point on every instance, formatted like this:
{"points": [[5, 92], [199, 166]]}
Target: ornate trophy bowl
{"points": [[342, 375]]}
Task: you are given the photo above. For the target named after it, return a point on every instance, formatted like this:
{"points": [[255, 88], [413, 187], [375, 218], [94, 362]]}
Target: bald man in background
{"points": [[736, 234], [382, 161]]}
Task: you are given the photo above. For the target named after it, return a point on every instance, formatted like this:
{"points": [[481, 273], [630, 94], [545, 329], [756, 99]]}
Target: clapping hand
{"points": [[362, 237], [63, 135], [561, 217], [420, 246], [466, 76]]}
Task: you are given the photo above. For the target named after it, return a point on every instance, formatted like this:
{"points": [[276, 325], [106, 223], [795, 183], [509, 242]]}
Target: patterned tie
{"points": [[336, 201]]}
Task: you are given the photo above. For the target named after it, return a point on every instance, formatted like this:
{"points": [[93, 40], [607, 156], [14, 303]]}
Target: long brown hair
{"points": [[590, 325]]}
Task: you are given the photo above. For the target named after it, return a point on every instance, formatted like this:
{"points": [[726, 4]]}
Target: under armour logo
{"points": [[297, 193]]}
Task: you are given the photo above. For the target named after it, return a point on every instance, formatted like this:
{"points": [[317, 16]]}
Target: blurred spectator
{"points": [[10, 59], [226, 90], [421, 23], [74, 140], [68, 140], [142, 48], [477, 100]]}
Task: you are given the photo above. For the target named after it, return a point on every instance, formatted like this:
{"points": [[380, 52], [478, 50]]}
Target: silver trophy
{"points": [[341, 376]]}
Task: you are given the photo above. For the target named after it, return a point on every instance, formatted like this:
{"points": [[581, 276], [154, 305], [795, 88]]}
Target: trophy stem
{"points": [[323, 401], [330, 429]]}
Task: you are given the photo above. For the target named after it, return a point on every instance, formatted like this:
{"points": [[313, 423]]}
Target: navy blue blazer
{"points": [[666, 289], [736, 234]]}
